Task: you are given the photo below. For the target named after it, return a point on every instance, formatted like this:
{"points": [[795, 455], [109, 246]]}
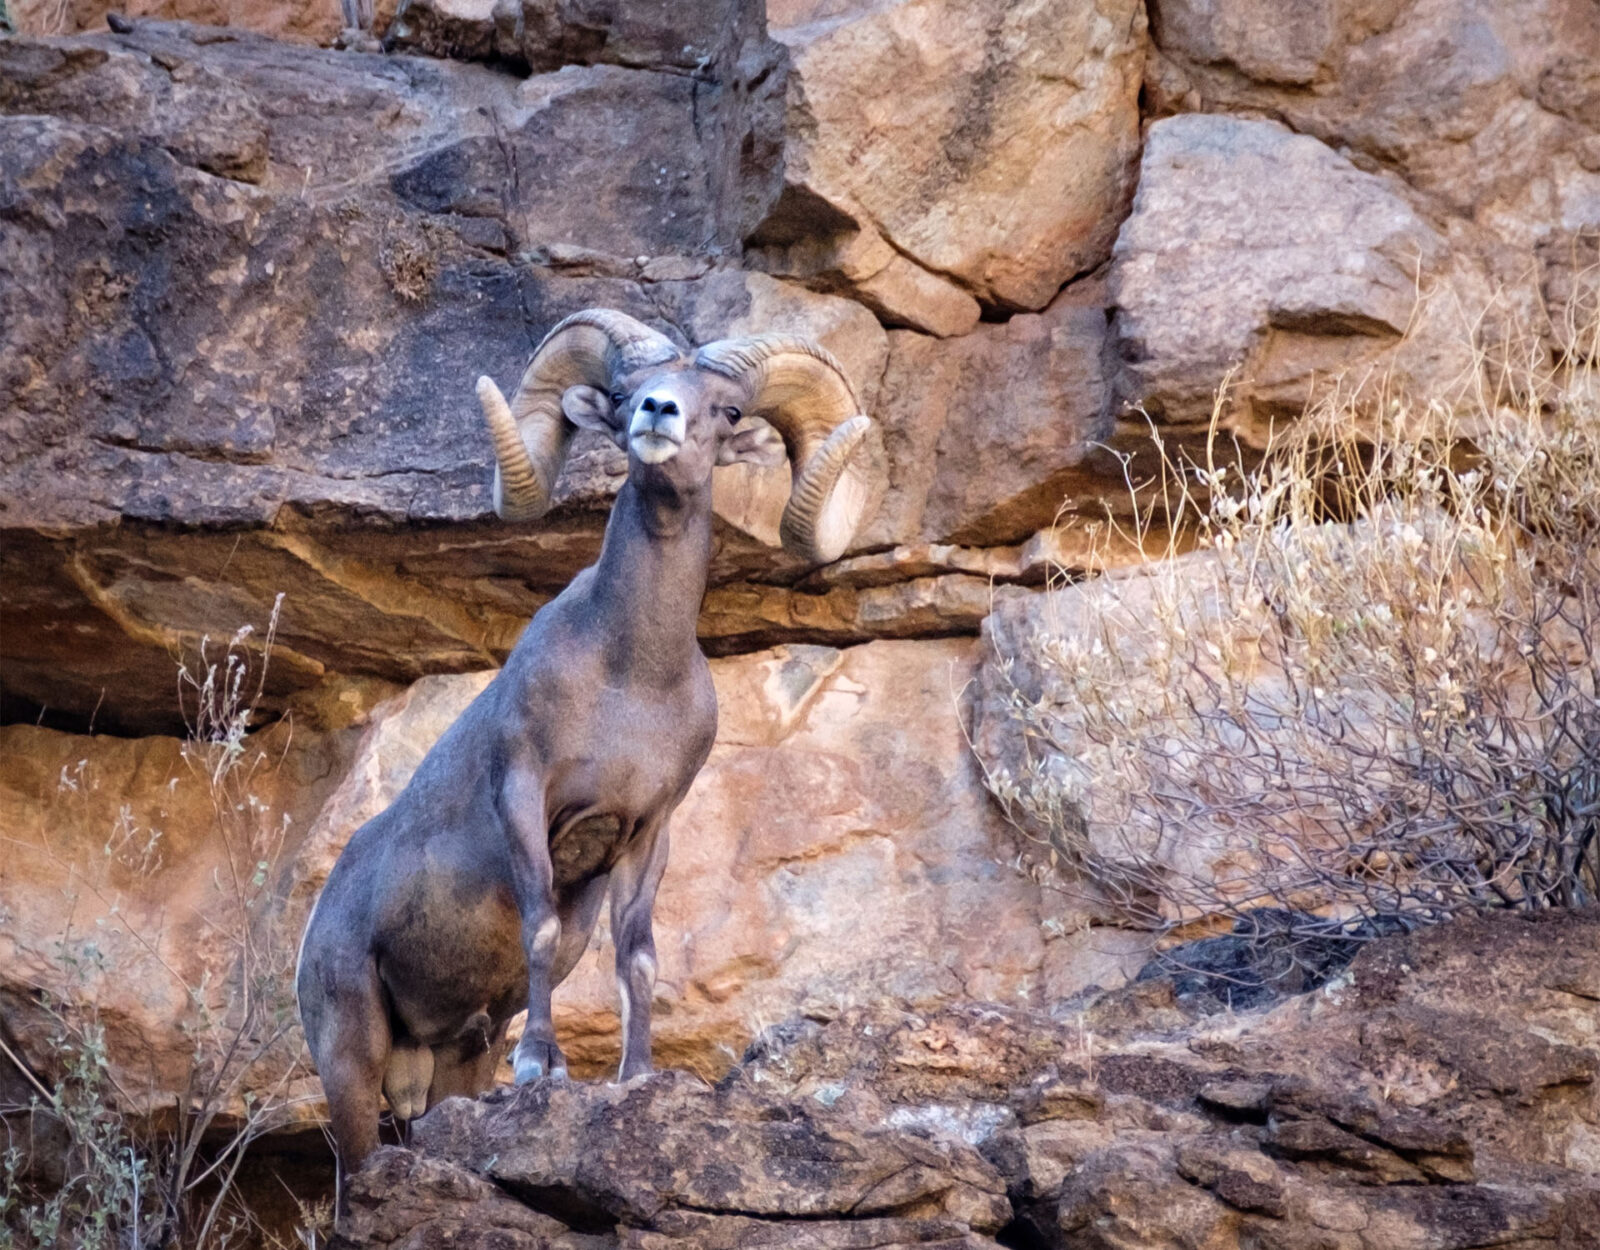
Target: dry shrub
{"points": [[410, 266], [37, 17], [1370, 700], [131, 1176]]}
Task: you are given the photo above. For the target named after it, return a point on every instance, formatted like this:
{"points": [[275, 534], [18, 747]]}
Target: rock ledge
{"points": [[1442, 1093]]}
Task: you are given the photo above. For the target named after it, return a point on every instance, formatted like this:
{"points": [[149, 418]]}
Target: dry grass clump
{"points": [[89, 1164], [37, 17], [1371, 697], [409, 266]]}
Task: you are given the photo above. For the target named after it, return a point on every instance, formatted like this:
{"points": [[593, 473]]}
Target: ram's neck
{"points": [[650, 580]]}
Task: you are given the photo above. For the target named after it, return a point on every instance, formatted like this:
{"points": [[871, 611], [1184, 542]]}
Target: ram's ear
{"points": [[754, 442], [591, 409]]}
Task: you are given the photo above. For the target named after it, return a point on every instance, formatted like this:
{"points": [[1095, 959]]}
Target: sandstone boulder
{"points": [[630, 1152], [987, 436], [1262, 254], [990, 146], [1487, 110], [861, 264]]}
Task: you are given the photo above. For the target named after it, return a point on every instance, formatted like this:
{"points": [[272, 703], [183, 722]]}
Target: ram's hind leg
{"points": [[352, 1052]]}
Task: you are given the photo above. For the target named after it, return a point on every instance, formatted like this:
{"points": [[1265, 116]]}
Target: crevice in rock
{"points": [[205, 455], [1023, 1234], [724, 648], [568, 1204]]}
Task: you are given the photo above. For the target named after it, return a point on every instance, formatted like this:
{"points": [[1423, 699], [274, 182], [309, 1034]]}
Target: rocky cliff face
{"points": [[248, 284], [247, 278]]}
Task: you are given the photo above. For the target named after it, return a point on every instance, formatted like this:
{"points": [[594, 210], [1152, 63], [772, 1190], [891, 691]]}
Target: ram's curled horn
{"points": [[801, 390], [530, 436]]}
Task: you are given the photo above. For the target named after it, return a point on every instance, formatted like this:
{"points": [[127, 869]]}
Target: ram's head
{"points": [[678, 415]]}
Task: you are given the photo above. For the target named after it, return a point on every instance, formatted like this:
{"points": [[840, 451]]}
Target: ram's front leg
{"points": [[533, 882], [633, 898]]}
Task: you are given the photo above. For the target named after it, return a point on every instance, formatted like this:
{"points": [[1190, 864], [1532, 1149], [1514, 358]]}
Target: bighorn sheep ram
{"points": [[476, 891]]}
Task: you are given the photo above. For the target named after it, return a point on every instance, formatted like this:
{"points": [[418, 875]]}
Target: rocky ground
{"points": [[1440, 1093]]}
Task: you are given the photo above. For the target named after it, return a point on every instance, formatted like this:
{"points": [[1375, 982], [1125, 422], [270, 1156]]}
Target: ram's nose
{"points": [[657, 429]]}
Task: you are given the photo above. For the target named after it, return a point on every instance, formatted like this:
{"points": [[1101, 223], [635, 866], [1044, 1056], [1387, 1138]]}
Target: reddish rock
{"points": [[118, 892]]}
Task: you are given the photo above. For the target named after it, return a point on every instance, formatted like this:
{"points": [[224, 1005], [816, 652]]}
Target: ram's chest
{"points": [[599, 813], [599, 798], [613, 759]]}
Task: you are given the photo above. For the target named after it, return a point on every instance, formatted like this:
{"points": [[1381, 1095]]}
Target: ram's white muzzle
{"points": [[656, 432]]}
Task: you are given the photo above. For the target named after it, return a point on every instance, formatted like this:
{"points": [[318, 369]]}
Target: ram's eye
{"points": [[733, 415], [618, 398]]}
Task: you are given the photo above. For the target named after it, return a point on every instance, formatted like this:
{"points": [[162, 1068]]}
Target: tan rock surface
{"points": [[861, 264], [991, 143], [1030, 646], [1486, 107], [116, 888], [1468, 101], [1256, 250], [986, 435]]}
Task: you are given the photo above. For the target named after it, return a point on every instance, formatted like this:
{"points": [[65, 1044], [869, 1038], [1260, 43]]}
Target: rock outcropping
{"points": [[1441, 1093], [248, 284]]}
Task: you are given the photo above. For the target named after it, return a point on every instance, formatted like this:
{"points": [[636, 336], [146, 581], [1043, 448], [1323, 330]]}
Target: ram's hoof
{"points": [[533, 1061]]}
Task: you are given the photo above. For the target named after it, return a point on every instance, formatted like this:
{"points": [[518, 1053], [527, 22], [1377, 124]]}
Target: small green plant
{"points": [[107, 1180]]}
